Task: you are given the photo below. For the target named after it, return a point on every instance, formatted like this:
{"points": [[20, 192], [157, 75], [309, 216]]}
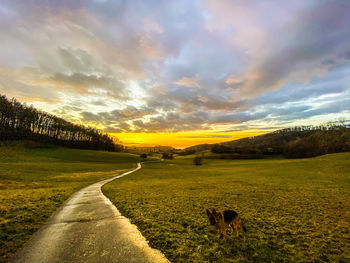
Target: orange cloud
{"points": [[189, 82]]}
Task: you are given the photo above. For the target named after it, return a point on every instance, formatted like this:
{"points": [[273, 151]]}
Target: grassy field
{"points": [[35, 180], [295, 210]]}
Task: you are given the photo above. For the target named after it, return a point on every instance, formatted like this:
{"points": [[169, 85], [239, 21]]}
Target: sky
{"points": [[179, 72]]}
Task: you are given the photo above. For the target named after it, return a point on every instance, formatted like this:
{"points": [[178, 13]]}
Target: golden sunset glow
{"points": [[181, 139]]}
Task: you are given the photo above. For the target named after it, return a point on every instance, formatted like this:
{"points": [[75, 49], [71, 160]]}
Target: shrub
{"points": [[197, 160], [168, 156], [143, 156]]}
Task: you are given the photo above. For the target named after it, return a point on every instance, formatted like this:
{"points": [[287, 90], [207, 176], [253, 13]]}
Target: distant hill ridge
{"points": [[322, 139]]}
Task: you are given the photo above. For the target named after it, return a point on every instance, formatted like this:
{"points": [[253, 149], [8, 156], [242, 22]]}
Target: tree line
{"points": [[21, 122], [319, 142], [296, 142]]}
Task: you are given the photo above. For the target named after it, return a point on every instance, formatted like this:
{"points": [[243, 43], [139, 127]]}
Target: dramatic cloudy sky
{"points": [[195, 69]]}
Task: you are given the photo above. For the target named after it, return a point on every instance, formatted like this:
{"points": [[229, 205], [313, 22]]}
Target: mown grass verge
{"points": [[294, 210], [35, 179]]}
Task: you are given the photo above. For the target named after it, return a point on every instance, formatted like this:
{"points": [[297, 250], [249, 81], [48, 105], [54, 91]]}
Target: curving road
{"points": [[89, 228]]}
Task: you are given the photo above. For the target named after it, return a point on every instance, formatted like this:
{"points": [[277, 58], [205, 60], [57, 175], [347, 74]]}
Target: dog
{"points": [[221, 220]]}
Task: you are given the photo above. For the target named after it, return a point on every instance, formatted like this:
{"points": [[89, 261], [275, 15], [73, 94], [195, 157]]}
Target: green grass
{"points": [[295, 210], [36, 179]]}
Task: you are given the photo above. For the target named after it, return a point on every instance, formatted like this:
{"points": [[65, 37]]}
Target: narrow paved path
{"points": [[89, 228]]}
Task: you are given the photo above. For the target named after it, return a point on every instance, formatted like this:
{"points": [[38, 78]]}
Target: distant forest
{"points": [[296, 142], [22, 122]]}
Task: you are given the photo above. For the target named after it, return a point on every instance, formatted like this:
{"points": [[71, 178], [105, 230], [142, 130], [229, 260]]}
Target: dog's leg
{"points": [[218, 230], [221, 235], [237, 228], [233, 228], [224, 232]]}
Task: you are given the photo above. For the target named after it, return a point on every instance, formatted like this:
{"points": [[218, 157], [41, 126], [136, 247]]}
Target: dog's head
{"points": [[212, 217]]}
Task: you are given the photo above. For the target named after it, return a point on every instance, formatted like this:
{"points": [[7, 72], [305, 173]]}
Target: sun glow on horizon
{"points": [[181, 139]]}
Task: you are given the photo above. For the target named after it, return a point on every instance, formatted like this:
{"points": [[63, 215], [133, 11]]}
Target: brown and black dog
{"points": [[221, 220]]}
